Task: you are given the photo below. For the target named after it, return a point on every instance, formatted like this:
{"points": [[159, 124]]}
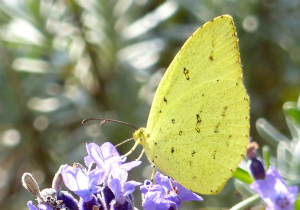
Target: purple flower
{"points": [[107, 156], [82, 183], [255, 164], [41, 206], [44, 207], [274, 191], [31, 206], [67, 200], [119, 185], [257, 169], [155, 198], [162, 196]]}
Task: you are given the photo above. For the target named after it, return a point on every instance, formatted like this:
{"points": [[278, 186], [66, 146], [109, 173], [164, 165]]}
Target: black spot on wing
{"points": [[198, 123], [186, 73], [165, 100]]}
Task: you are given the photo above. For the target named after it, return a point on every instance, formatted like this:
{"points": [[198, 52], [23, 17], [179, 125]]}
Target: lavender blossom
{"points": [[82, 183], [255, 164], [156, 198], [107, 156], [162, 196], [120, 186], [274, 191], [41, 206], [103, 186]]}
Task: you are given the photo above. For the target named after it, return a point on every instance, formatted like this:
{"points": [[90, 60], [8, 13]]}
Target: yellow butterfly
{"points": [[198, 127]]}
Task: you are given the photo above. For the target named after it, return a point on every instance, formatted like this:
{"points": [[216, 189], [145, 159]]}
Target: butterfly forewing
{"points": [[198, 126]]}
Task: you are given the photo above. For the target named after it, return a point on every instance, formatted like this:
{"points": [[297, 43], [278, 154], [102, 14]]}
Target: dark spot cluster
{"points": [[186, 74], [224, 111], [172, 150], [173, 121], [198, 123], [214, 154], [217, 128], [193, 153]]}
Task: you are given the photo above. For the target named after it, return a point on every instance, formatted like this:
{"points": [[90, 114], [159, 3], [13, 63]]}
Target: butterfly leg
{"points": [[133, 148], [152, 176], [143, 151]]}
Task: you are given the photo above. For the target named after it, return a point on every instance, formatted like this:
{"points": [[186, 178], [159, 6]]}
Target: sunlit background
{"points": [[66, 60]]}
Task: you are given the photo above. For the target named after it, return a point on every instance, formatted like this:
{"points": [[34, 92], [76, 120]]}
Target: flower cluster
{"points": [[102, 185]]}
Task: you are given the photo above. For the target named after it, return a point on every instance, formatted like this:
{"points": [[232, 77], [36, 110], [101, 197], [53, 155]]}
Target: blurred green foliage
{"points": [[66, 60]]}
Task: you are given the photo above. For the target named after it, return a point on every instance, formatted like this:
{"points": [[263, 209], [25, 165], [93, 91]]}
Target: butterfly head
{"points": [[140, 136]]}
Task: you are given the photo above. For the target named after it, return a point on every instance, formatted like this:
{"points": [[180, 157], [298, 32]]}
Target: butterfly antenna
{"points": [[127, 140], [103, 121]]}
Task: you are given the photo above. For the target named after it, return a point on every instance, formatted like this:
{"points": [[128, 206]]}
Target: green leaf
{"points": [[297, 204], [266, 156], [242, 175], [292, 112]]}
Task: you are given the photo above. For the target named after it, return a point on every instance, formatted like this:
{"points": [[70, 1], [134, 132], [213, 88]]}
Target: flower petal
{"points": [[275, 180], [116, 188], [129, 187], [109, 150], [187, 195], [74, 178], [44, 207], [31, 206], [95, 153], [131, 165], [86, 194]]}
